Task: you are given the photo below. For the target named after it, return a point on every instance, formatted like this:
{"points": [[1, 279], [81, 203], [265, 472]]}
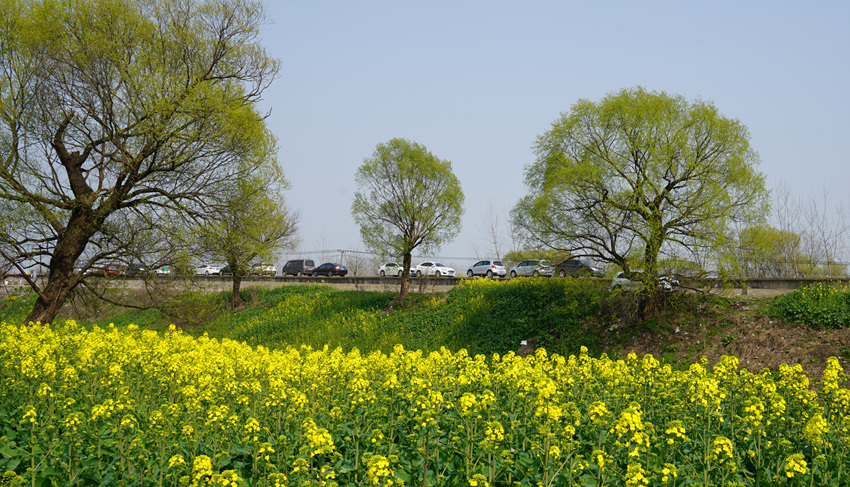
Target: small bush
{"points": [[819, 305]]}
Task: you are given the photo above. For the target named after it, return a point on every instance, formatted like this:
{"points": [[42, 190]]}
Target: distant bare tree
{"points": [[824, 238], [787, 215], [357, 262], [493, 233]]}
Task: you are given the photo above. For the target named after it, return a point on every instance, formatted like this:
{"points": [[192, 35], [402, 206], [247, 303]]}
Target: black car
{"points": [[578, 267], [330, 269]]}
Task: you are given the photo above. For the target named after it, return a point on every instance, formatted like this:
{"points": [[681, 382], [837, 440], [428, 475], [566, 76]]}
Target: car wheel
{"points": [[489, 274], [535, 274], [298, 274], [469, 273], [382, 274], [418, 273], [207, 273], [400, 273], [562, 273], [437, 274], [513, 274]]}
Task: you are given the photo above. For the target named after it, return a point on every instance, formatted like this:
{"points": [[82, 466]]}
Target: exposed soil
{"points": [[742, 330]]}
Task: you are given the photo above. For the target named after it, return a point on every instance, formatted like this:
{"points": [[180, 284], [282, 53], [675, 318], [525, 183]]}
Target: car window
{"points": [[439, 265], [545, 262], [496, 262], [309, 263]]}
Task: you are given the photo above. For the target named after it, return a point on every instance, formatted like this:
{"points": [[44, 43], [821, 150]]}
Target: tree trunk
{"points": [[50, 299], [236, 300], [650, 274], [405, 278], [60, 281]]}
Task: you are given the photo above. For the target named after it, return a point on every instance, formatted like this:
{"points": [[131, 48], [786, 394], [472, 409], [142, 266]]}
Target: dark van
{"points": [[299, 267]]}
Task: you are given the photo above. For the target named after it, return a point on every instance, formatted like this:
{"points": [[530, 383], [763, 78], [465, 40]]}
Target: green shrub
{"points": [[819, 305]]}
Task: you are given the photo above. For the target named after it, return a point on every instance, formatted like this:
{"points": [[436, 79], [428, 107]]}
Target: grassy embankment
{"points": [[480, 316]]}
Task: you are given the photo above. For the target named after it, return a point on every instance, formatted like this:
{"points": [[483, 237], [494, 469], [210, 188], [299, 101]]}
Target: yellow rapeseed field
{"points": [[130, 407]]}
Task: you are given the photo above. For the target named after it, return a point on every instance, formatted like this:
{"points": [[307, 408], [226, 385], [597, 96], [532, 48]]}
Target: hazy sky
{"points": [[476, 82]]}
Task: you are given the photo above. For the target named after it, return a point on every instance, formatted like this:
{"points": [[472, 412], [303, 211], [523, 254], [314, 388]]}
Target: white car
{"points": [[207, 270], [434, 269], [391, 269], [620, 281], [487, 268], [264, 270]]}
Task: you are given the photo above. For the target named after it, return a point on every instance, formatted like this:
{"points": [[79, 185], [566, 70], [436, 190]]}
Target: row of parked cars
{"points": [[307, 267], [429, 268], [531, 268], [296, 267], [214, 270], [495, 268]]}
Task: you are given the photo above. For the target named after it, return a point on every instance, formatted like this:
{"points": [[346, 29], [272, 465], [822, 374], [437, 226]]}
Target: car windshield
{"points": [[439, 265], [545, 263], [496, 262]]}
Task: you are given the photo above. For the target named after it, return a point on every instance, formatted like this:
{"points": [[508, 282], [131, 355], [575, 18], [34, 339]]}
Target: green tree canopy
{"points": [[407, 198], [637, 174], [253, 223], [121, 121]]}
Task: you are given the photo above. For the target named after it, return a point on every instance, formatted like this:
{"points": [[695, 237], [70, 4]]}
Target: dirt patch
{"points": [[740, 328], [745, 332]]}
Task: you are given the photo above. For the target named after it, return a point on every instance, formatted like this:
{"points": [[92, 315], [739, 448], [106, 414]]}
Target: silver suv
{"points": [[487, 268], [532, 267]]}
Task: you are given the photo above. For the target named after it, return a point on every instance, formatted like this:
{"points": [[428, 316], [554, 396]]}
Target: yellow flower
{"points": [[597, 411], [265, 450], [176, 461], [378, 471], [201, 470], [816, 427], [668, 471], [30, 416], [228, 478], [478, 480], [796, 464], [722, 450], [675, 431], [635, 475], [277, 480], [319, 439]]}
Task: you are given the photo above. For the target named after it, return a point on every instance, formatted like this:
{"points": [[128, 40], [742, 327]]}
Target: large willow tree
{"points": [[638, 173], [120, 123]]}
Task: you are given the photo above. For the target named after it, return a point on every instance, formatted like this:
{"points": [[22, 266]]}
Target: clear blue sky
{"points": [[477, 81]]}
